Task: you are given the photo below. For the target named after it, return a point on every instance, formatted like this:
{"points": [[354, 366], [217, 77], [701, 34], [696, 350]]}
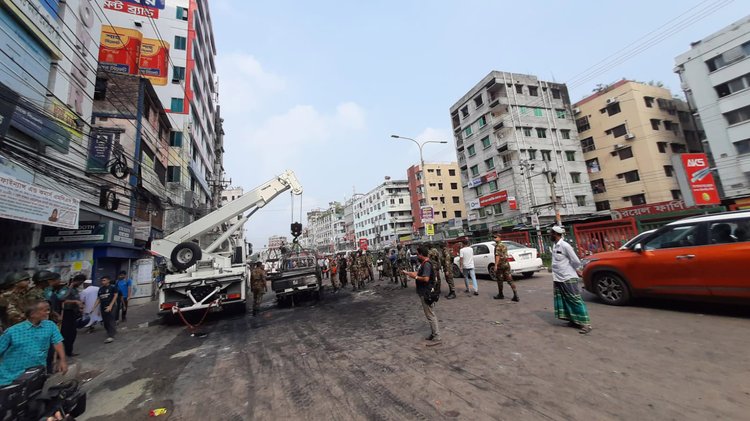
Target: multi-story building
{"points": [[349, 241], [628, 133], [715, 75], [227, 195], [439, 186], [277, 241], [172, 43], [519, 153], [383, 214], [326, 229]]}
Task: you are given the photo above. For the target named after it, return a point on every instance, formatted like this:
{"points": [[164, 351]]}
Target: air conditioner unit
{"points": [[576, 110], [619, 146], [629, 136], [611, 100]]}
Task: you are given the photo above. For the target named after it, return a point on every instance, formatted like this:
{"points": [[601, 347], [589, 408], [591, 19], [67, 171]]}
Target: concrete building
{"points": [[326, 229], [628, 133], [349, 241], [443, 183], [384, 214], [277, 241], [516, 142], [227, 195], [715, 75], [174, 43]]}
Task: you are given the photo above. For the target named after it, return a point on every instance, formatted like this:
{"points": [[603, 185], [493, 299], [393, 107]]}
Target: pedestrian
{"points": [[90, 310], [13, 299], [54, 293], [403, 263], [364, 269], [394, 267], [258, 285], [466, 266], [425, 282], [387, 267], [448, 271], [25, 344], [71, 312], [502, 269], [334, 267], [569, 304], [125, 291], [436, 260], [343, 270], [106, 300]]}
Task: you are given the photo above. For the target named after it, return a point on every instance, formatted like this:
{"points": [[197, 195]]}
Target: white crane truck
{"points": [[209, 271]]}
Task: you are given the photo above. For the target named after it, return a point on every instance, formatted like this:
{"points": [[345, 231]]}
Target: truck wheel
{"points": [[185, 255]]}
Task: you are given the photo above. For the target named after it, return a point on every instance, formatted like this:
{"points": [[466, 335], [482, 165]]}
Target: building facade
{"points": [[519, 153], [326, 230], [440, 187], [227, 195], [715, 75], [383, 215], [629, 132]]}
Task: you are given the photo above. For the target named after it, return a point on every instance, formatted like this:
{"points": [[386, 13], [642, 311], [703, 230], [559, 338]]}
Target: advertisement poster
{"points": [[133, 9], [30, 203], [512, 203], [156, 4], [154, 60], [120, 49], [699, 179], [427, 213], [429, 229], [100, 148], [493, 199]]}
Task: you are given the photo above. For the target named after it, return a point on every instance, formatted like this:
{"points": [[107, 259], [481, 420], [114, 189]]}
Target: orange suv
{"points": [[703, 257]]}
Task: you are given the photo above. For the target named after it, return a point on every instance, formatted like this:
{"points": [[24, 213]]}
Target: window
{"points": [[560, 113], [598, 187], [471, 150], [731, 231], [180, 43], [444, 213], [668, 171], [182, 13], [438, 172], [546, 155], [456, 199], [676, 195], [617, 131], [649, 100], [581, 200], [738, 115], [523, 110], [177, 105], [486, 142], [592, 166], [587, 145], [478, 101], [401, 201], [570, 156], [728, 57], [630, 176], [454, 186], [602, 206], [533, 90], [582, 124], [519, 89], [467, 131], [677, 148], [178, 74], [686, 235], [493, 185], [175, 139], [541, 133], [625, 153], [100, 89], [538, 112], [575, 177], [457, 214], [480, 190], [613, 109], [490, 163], [655, 123], [527, 131], [482, 121], [638, 199], [532, 154], [452, 173], [555, 93], [173, 173], [565, 134], [465, 111], [662, 147], [743, 146], [497, 209], [474, 170], [440, 186]]}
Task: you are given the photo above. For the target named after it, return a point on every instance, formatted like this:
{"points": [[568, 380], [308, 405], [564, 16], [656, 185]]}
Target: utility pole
{"points": [[553, 196]]}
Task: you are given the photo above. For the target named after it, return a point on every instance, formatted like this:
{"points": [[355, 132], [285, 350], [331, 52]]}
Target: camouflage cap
{"points": [[19, 277], [45, 276]]}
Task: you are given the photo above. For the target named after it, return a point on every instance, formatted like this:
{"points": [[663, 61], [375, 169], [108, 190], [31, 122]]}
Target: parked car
{"points": [[523, 260], [701, 257]]}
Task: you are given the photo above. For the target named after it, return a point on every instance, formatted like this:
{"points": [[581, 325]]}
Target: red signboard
{"points": [[494, 198], [700, 179], [154, 60], [490, 176], [654, 208], [133, 9], [120, 49], [512, 203], [363, 244]]}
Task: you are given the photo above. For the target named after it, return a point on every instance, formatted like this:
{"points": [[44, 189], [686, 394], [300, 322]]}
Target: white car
{"points": [[523, 260]]}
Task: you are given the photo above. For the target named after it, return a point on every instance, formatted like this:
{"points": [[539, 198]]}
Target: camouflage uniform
{"points": [[387, 270], [435, 258], [258, 286], [13, 300], [364, 269], [402, 263], [502, 271], [354, 271], [448, 269]]}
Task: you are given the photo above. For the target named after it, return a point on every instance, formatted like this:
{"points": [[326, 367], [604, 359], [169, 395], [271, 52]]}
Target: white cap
{"points": [[558, 229], [88, 282]]}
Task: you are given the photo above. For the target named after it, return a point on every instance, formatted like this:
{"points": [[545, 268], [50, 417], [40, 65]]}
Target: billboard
{"points": [[696, 181], [512, 203], [132, 8], [493, 199], [154, 60], [156, 4], [426, 213], [30, 203], [120, 49]]}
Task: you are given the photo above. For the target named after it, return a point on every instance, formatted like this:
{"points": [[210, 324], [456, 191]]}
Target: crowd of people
{"points": [[40, 316]]}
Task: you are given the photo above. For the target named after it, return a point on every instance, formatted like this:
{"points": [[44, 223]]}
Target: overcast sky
{"points": [[318, 87]]}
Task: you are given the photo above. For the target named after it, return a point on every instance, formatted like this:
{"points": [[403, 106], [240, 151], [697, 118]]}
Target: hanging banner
{"points": [[100, 148], [490, 176], [698, 180], [120, 49], [363, 244], [157, 4], [429, 229], [154, 60], [494, 198], [30, 203], [512, 204]]}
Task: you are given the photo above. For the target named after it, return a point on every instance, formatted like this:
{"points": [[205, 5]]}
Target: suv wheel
{"points": [[611, 289]]}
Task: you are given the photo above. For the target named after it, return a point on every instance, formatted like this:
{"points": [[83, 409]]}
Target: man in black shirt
{"points": [[71, 311], [425, 281], [106, 298]]}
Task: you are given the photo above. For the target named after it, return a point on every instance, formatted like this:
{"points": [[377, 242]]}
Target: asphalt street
{"points": [[361, 356]]}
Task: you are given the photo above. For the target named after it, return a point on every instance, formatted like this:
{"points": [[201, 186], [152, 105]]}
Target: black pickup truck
{"points": [[297, 276]]}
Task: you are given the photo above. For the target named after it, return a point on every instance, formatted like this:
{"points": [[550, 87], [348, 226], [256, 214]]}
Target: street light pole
{"points": [[420, 145]]}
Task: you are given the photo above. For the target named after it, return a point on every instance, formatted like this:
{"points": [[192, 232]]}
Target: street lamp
{"points": [[422, 167]]}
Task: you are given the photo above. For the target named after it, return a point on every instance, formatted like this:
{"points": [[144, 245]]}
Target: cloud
{"points": [[244, 83]]}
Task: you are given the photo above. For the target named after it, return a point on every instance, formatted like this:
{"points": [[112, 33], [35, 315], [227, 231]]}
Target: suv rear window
{"points": [[730, 231]]}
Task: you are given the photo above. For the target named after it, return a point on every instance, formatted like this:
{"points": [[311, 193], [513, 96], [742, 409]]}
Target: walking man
{"points": [[568, 302], [71, 312], [125, 291], [425, 282], [88, 298], [258, 286], [502, 269], [403, 263], [466, 265], [448, 271], [107, 299], [342, 270]]}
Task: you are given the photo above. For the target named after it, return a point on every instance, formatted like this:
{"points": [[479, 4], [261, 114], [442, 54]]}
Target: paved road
{"points": [[361, 356]]}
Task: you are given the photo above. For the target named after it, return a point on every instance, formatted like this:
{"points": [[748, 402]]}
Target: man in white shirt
{"points": [[88, 297], [569, 304], [466, 265]]}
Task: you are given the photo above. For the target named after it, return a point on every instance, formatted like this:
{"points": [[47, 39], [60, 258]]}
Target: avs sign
{"points": [[696, 180]]}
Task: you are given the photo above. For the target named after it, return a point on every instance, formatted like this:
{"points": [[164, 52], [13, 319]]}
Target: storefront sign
{"points": [[30, 203], [651, 209], [474, 204], [133, 9], [100, 148], [490, 176], [44, 25], [122, 233], [157, 4], [120, 49], [86, 232], [427, 213], [494, 198], [699, 179], [512, 203], [40, 127], [154, 60], [142, 231], [429, 229], [474, 182]]}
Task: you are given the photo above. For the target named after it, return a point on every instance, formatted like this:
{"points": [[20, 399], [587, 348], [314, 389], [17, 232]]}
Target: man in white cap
{"points": [[88, 297], [568, 302]]}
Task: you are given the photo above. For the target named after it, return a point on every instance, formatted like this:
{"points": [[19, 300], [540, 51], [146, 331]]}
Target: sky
{"points": [[319, 87]]}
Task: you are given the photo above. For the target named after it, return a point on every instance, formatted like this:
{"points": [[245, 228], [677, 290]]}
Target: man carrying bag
{"points": [[427, 291]]}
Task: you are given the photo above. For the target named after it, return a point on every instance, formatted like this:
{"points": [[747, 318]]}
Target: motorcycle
{"points": [[33, 397]]}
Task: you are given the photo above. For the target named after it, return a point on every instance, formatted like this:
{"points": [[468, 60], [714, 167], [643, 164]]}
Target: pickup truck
{"points": [[298, 276]]}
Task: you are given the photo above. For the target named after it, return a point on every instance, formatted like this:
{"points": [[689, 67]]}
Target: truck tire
{"points": [[185, 255]]}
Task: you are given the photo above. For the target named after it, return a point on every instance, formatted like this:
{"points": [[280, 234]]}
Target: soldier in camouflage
{"points": [[14, 299], [402, 263], [258, 286], [354, 270], [502, 269], [448, 271], [436, 259]]}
